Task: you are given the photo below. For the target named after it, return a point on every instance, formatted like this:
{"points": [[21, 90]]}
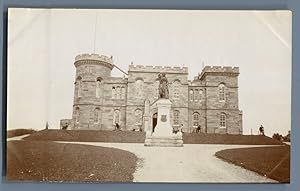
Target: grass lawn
{"points": [[19, 132], [139, 137], [194, 138], [49, 161], [88, 136], [273, 162]]}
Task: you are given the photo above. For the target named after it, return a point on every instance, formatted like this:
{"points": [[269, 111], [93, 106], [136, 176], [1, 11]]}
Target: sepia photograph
{"points": [[144, 95]]}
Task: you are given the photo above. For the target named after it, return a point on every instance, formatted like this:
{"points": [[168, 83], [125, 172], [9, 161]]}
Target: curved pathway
{"points": [[192, 163]]}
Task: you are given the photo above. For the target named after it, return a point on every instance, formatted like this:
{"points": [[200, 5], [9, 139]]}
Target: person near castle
{"points": [[261, 130], [117, 126], [181, 128], [198, 129]]}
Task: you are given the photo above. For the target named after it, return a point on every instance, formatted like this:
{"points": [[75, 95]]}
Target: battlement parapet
{"points": [[218, 69], [87, 58], [94, 57], [157, 69], [221, 69]]}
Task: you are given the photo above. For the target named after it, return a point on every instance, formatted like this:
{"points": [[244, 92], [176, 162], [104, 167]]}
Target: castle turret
{"points": [[91, 70]]}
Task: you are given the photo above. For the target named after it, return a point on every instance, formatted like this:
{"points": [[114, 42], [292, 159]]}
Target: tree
{"points": [[277, 136]]}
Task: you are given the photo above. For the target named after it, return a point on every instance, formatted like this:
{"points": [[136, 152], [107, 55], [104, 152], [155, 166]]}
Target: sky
{"points": [[43, 43]]}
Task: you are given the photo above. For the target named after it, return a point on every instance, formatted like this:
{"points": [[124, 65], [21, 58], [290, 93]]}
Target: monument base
{"points": [[174, 140], [163, 132]]}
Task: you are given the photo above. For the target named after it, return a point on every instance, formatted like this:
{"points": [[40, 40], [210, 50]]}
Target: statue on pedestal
{"points": [[163, 86]]}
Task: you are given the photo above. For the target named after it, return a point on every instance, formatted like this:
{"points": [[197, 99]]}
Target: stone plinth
{"points": [[163, 132]]}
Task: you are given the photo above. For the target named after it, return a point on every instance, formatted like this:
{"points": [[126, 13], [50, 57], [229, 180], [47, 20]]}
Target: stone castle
{"points": [[209, 101]]}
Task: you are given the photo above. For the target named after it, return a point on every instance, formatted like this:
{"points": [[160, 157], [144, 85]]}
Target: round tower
{"points": [[91, 70]]}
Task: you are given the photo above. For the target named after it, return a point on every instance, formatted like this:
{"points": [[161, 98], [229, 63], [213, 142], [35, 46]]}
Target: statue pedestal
{"points": [[163, 132]]}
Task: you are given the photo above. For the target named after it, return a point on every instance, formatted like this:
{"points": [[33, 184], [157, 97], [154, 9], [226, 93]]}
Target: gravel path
{"points": [[191, 163], [17, 138]]}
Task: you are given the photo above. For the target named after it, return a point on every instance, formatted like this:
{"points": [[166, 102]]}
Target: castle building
{"points": [[101, 101]]}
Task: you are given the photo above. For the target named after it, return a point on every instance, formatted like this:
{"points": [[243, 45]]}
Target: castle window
{"points": [[77, 114], [139, 88], [195, 119], [196, 95], [138, 116], [176, 117], [98, 88], [221, 92], [96, 115], [200, 95], [176, 90], [123, 92], [116, 118], [191, 95], [78, 86], [223, 120], [118, 93], [113, 92]]}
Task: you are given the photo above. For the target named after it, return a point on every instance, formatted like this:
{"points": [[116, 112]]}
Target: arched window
{"points": [[113, 92], [196, 97], [97, 115], [116, 118], [200, 95], [138, 116], [223, 120], [98, 82], [196, 117], [191, 95], [176, 117], [221, 92], [77, 114], [123, 92], [176, 90], [78, 86], [139, 88]]}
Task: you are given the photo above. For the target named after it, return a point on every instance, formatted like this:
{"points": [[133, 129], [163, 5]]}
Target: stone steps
{"points": [[164, 141]]}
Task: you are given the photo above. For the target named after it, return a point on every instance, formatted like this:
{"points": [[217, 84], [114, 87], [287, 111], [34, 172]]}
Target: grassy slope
{"points": [[194, 138], [88, 136], [139, 137], [273, 162], [48, 161]]}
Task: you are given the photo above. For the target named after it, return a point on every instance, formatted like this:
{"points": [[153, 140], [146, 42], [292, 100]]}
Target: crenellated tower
{"points": [[221, 103], [91, 71]]}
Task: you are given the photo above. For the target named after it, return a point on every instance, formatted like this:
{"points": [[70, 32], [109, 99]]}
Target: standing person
{"points": [[261, 130], [47, 125], [198, 130], [117, 126], [181, 128]]}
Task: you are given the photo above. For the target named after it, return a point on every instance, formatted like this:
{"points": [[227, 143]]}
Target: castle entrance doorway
{"points": [[154, 121]]}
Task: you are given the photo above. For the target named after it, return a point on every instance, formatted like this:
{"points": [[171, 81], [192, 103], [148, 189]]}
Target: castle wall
{"points": [[233, 121], [183, 117], [213, 77], [101, 101], [202, 120]]}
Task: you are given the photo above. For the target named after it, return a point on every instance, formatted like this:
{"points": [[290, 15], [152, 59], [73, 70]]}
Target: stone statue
{"points": [[163, 86], [147, 107]]}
